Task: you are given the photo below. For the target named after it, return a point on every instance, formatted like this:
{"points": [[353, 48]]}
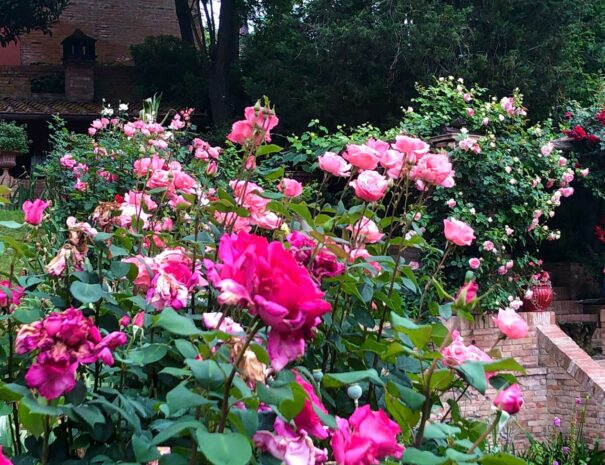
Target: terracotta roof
{"points": [[35, 107]]}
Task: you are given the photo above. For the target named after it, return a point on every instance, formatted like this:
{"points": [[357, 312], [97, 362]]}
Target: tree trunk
{"points": [[184, 17], [222, 59]]}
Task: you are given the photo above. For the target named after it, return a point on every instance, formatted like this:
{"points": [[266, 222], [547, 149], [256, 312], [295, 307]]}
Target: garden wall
{"points": [[558, 373]]}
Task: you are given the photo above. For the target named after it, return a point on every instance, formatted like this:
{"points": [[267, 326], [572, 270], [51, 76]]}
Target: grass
{"points": [[17, 234]]}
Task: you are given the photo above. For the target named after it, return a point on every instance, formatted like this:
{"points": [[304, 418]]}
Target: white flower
{"points": [[123, 107], [501, 117], [107, 111], [513, 181]]}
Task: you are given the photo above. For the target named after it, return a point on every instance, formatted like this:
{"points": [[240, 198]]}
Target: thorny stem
{"points": [[225, 407]]}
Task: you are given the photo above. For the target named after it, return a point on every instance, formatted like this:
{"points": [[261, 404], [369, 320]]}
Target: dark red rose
{"points": [[578, 133], [592, 139], [600, 117]]}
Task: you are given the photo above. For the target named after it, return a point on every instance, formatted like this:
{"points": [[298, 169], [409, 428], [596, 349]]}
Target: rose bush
{"points": [[162, 318]]}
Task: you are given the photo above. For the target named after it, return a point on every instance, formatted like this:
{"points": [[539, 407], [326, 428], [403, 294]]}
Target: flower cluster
{"points": [[168, 279], [64, 341]]}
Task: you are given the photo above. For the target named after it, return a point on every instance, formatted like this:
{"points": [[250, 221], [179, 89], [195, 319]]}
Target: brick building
{"points": [[44, 75]]}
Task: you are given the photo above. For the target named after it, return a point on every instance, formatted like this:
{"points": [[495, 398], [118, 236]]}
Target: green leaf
{"points": [[414, 456], [182, 398], [474, 374], [173, 429], [504, 364], [440, 431], [267, 149], [11, 224], [303, 211], [332, 380], [149, 353], [8, 393], [186, 348], [121, 269], [90, 414], [26, 316], [208, 373], [86, 293], [33, 423], [172, 322], [224, 448], [405, 417], [501, 459], [144, 451], [420, 335]]}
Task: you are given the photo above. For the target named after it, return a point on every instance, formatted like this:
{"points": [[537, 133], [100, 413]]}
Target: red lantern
{"points": [[541, 299]]}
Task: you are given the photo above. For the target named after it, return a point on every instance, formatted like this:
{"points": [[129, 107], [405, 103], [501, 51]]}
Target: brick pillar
{"points": [[79, 82]]}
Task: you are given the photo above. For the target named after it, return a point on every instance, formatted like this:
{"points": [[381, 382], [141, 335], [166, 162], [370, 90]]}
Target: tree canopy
{"points": [[21, 16]]}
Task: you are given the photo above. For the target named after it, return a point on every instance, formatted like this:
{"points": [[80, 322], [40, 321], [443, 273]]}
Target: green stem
{"points": [[485, 434], [46, 424]]}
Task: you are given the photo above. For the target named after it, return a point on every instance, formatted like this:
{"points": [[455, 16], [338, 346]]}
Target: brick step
{"points": [[565, 307], [561, 293], [577, 318]]}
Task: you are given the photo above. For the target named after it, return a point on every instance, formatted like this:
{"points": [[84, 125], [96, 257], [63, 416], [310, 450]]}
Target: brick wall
{"points": [[558, 372], [116, 24]]}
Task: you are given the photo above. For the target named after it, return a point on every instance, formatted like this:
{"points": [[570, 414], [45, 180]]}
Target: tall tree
{"points": [[217, 40], [18, 17]]}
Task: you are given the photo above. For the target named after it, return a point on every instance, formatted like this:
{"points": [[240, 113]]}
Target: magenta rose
{"points": [[34, 211], [510, 399], [366, 438]]}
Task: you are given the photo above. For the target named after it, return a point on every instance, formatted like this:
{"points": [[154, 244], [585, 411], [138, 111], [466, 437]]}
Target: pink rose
{"points": [[458, 232], [290, 187], [362, 156], [547, 149], [33, 211], [488, 246], [288, 446], [474, 263], [470, 112], [307, 419], [139, 320], [510, 399], [467, 97], [468, 292], [334, 164], [366, 230], [451, 203], [67, 161], [370, 186], [413, 148], [366, 438], [434, 169], [454, 354], [4, 460], [511, 324]]}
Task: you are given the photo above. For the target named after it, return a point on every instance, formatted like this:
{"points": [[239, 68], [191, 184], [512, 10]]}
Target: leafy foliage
{"points": [[20, 16], [13, 138]]}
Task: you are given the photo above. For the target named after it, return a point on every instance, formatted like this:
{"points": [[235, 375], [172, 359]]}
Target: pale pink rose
{"points": [[434, 169], [467, 97], [458, 232], [456, 353], [509, 264], [129, 130], [547, 149], [508, 230], [414, 265], [413, 148], [562, 161], [529, 294], [392, 161], [451, 203], [510, 399], [361, 156], [566, 191], [67, 161], [470, 112], [511, 324], [502, 270], [585, 172], [366, 230], [334, 164], [290, 187], [92, 132], [474, 263], [485, 121], [488, 246], [370, 186], [146, 165]]}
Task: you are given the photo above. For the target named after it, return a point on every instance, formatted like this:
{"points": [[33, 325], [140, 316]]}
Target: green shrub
{"points": [[13, 138]]}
